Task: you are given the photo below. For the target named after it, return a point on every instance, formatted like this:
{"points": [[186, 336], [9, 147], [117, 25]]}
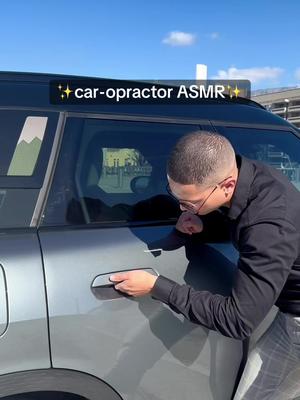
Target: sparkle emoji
{"points": [[236, 91], [65, 92], [68, 91]]}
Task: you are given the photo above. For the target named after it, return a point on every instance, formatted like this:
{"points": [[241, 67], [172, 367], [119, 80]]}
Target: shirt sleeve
{"points": [[267, 253]]}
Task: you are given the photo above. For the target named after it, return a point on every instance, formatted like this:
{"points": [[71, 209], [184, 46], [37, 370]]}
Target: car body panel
{"points": [[137, 345], [25, 344]]}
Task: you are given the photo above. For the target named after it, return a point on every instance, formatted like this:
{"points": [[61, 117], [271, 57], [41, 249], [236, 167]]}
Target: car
{"points": [[83, 195]]}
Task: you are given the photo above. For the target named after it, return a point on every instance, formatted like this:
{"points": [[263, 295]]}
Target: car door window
{"points": [[280, 149], [113, 172]]}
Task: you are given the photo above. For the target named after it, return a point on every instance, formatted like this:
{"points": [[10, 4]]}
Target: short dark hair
{"points": [[200, 157]]}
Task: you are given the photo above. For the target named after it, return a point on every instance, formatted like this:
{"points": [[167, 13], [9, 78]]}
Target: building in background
{"points": [[284, 102]]}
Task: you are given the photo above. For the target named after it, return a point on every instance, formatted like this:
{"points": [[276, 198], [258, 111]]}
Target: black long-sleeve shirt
{"points": [[264, 225]]}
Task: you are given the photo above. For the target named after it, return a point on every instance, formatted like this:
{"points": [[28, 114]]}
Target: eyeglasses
{"points": [[190, 205]]}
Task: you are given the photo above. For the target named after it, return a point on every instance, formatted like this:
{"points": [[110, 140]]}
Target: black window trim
{"points": [[110, 225], [138, 118], [182, 121], [149, 118], [271, 127], [46, 186]]}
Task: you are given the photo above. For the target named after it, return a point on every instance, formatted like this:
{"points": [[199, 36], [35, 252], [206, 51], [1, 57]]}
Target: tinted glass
{"points": [[280, 149], [113, 172]]}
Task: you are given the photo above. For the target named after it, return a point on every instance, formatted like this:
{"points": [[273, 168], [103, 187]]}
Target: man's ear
{"points": [[229, 185]]}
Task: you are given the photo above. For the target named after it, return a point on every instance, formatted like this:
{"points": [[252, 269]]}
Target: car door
{"points": [[108, 211]]}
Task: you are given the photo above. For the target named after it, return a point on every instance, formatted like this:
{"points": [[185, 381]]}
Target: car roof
{"points": [[31, 89]]}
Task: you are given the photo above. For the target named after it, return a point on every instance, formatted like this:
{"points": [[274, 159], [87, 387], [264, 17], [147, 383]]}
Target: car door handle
{"points": [[104, 289], [103, 279]]}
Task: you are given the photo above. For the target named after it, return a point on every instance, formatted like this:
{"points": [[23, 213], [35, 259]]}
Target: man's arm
{"points": [[267, 252]]}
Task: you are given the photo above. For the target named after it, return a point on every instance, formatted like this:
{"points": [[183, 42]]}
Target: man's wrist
{"points": [[153, 281], [162, 288]]}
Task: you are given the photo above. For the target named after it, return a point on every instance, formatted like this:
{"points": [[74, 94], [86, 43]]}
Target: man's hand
{"points": [[135, 283], [189, 223]]}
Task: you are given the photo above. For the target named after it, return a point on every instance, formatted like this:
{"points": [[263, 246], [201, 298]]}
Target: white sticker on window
{"points": [[28, 147]]}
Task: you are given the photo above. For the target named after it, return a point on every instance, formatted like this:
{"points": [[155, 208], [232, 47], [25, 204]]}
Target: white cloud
{"points": [[176, 38], [214, 35], [297, 74], [253, 74]]}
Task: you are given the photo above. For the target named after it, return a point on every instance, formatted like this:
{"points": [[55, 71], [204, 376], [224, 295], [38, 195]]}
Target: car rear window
{"points": [[278, 148], [26, 138]]}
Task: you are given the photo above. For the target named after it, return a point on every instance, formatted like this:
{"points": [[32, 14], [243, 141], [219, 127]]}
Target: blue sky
{"points": [[155, 39]]}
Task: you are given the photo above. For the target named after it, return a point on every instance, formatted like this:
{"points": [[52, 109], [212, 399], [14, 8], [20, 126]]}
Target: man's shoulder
{"points": [[272, 195]]}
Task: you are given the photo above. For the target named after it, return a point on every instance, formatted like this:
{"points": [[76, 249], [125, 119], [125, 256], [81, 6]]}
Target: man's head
{"points": [[202, 172]]}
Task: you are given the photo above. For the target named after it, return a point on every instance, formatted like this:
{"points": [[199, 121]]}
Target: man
{"points": [[263, 212]]}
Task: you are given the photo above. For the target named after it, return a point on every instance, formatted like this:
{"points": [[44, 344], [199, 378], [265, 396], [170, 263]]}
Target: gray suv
{"points": [[82, 195]]}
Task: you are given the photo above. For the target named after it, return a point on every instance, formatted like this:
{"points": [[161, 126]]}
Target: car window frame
{"points": [[202, 124], [118, 117]]}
